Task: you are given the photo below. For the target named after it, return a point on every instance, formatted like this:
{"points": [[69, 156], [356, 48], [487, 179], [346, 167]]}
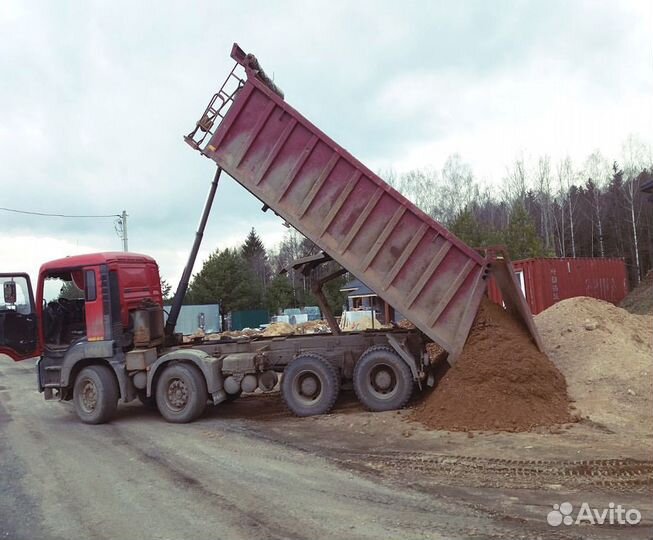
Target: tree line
{"points": [[249, 277], [544, 208], [540, 208]]}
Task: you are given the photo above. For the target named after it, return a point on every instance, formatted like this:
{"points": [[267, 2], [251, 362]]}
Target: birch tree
{"points": [[566, 181], [636, 157], [459, 189], [597, 170], [544, 188], [515, 182], [421, 187]]}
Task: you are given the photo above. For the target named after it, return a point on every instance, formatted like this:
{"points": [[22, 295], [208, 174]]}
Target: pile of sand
{"points": [[278, 329], [501, 381], [245, 332], [272, 330], [405, 324], [285, 329], [606, 355], [313, 327], [640, 299], [359, 321]]}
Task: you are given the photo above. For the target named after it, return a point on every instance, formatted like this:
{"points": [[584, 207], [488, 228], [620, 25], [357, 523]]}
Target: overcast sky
{"points": [[95, 98]]}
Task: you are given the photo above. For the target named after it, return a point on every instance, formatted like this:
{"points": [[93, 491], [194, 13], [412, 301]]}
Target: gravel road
{"points": [[139, 478]]}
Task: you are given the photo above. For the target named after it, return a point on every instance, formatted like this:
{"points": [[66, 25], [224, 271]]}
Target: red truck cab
{"points": [[109, 287], [88, 309], [87, 297]]}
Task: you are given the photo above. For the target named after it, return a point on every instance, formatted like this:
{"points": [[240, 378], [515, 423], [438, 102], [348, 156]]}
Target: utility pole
{"points": [[123, 217]]}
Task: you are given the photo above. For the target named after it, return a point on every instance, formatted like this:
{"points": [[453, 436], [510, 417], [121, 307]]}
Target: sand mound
{"points": [[406, 324], [278, 329], [606, 355], [640, 299], [313, 327], [500, 382]]}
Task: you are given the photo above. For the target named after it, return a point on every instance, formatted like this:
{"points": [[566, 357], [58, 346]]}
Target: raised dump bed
{"points": [[408, 258]]}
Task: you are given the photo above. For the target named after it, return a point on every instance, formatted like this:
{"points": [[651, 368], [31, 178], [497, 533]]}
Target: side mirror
{"points": [[9, 289]]}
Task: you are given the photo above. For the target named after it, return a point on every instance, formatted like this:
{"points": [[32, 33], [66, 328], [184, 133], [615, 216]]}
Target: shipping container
{"points": [[250, 318], [547, 281]]}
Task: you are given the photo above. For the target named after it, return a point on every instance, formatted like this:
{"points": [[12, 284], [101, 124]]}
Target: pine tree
{"points": [[225, 278], [521, 236], [253, 251], [279, 294], [466, 227]]}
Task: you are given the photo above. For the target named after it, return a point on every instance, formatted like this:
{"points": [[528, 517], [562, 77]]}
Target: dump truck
{"points": [[105, 341]]}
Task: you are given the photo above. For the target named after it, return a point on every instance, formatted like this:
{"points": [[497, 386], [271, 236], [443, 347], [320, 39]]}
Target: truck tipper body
{"points": [[110, 343], [409, 259]]}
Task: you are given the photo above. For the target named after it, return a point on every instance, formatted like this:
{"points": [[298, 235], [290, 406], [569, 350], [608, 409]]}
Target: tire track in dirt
{"points": [[612, 474]]}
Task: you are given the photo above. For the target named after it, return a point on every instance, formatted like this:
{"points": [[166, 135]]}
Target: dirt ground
{"points": [[249, 469]]}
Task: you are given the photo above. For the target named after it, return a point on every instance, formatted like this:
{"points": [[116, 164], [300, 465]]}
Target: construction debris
{"points": [[501, 381]]}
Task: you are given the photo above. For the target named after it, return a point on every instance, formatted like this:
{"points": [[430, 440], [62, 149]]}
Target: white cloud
{"points": [[26, 253], [96, 96], [540, 108]]}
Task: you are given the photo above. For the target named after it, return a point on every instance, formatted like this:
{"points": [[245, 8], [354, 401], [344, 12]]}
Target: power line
{"points": [[57, 215], [120, 220]]}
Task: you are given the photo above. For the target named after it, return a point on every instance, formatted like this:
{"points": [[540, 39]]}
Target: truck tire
{"points": [[181, 394], [95, 394], [382, 380], [310, 385]]}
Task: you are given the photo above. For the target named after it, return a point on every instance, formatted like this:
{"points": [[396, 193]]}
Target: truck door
{"points": [[96, 328], [18, 321]]}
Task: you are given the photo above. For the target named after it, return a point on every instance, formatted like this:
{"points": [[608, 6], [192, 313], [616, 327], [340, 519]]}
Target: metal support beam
{"points": [[175, 309], [316, 287]]}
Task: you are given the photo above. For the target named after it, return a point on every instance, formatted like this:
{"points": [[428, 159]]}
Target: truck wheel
{"points": [[310, 385], [95, 394], [181, 394], [382, 380]]}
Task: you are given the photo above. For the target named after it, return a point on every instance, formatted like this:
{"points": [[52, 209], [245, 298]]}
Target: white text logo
{"points": [[614, 514]]}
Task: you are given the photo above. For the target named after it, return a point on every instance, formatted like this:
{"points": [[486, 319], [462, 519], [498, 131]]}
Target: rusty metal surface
{"points": [[548, 280], [409, 259]]}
